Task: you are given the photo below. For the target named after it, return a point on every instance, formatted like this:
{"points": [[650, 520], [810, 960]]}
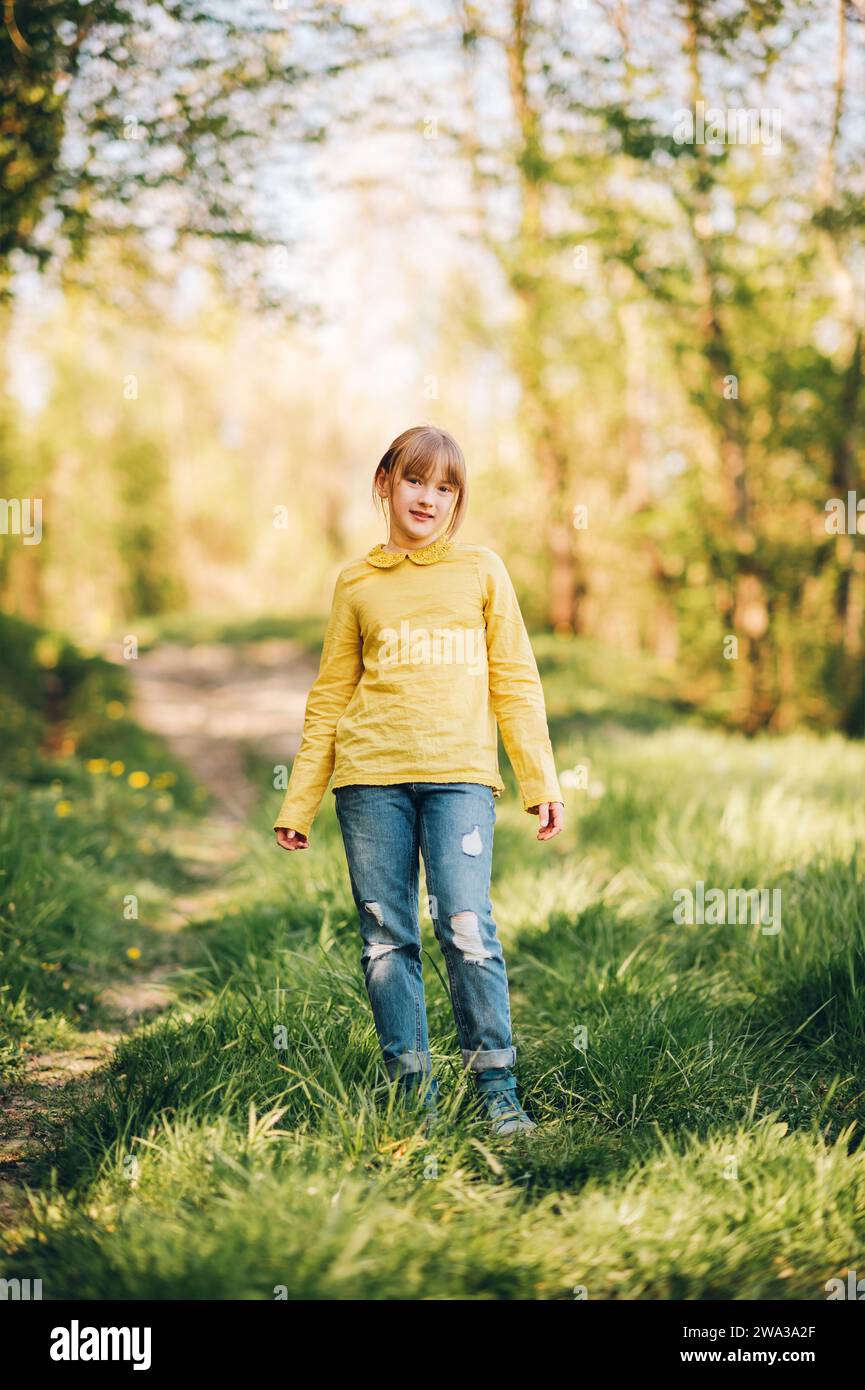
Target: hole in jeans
{"points": [[467, 937], [374, 950], [472, 843]]}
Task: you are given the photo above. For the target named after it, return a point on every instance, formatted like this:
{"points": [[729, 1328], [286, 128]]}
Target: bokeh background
{"points": [[617, 250]]}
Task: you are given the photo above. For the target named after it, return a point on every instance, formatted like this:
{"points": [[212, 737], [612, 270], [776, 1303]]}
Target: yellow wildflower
{"points": [[47, 651]]}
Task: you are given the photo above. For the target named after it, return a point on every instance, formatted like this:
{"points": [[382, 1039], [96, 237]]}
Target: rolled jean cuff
{"points": [[408, 1062], [480, 1060]]}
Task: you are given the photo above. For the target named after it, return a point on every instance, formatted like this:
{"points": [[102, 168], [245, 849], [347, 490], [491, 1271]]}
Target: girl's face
{"points": [[418, 510]]}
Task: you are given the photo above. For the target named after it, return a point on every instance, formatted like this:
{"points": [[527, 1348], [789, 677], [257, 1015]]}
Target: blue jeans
{"points": [[451, 824]]}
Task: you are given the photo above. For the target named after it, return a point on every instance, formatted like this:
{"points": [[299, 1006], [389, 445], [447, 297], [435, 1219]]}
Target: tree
{"points": [[122, 115]]}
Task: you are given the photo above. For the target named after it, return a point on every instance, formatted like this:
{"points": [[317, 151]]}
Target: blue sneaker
{"points": [[506, 1113]]}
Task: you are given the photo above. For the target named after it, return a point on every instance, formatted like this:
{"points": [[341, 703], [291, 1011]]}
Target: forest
{"points": [[616, 250]]}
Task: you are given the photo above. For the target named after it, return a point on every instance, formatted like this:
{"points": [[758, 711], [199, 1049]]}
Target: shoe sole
{"points": [[515, 1127]]}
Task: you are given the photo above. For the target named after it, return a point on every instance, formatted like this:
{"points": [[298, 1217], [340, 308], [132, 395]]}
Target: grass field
{"points": [[699, 1088]]}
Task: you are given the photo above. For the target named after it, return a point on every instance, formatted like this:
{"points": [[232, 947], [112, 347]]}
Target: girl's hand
{"points": [[552, 815], [291, 839]]}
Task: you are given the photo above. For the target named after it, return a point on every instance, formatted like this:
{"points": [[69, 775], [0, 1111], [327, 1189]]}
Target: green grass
{"points": [[80, 841], [307, 630], [702, 1141]]}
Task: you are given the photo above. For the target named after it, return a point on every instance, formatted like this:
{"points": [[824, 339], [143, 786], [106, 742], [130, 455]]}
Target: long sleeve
{"points": [[339, 672], [515, 687]]}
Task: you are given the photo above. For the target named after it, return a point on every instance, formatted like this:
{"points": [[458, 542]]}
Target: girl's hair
{"points": [[416, 452]]}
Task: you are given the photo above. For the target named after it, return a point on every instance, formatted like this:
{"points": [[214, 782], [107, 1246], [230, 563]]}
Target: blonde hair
{"points": [[417, 452]]}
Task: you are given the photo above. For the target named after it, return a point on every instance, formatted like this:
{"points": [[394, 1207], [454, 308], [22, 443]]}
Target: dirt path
{"points": [[59, 1083], [210, 703], [213, 701]]}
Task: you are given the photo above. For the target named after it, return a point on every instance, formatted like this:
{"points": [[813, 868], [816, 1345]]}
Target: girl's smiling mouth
{"points": [[421, 516]]}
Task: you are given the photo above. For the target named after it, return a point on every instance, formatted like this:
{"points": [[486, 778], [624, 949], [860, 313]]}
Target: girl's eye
{"points": [[443, 487]]}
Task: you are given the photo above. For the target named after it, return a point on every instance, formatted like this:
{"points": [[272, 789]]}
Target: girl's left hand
{"points": [[552, 816]]}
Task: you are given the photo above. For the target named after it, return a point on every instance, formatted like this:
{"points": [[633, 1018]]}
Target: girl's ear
{"points": [[382, 484]]}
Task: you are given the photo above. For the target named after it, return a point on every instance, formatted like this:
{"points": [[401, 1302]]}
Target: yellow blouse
{"points": [[419, 663]]}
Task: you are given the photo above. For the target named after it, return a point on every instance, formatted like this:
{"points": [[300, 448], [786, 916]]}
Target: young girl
{"points": [[425, 652]]}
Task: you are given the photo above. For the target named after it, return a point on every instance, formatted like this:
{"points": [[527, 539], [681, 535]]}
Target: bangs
{"points": [[427, 453]]}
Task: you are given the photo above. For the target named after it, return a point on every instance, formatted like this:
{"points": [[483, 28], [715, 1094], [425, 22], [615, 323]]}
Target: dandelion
{"points": [[133, 953], [117, 768], [163, 803], [165, 779], [96, 765], [63, 808], [47, 651], [139, 779], [115, 709]]}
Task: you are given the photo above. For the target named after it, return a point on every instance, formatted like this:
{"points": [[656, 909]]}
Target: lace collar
{"points": [[427, 555]]}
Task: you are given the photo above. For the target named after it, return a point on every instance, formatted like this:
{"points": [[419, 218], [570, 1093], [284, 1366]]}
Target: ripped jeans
{"points": [[451, 823]]}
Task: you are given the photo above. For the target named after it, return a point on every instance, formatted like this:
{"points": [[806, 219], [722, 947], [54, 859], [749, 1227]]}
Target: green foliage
{"points": [[701, 1140], [140, 127], [683, 328]]}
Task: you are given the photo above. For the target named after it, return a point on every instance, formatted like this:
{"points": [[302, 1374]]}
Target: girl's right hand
{"points": [[291, 839]]}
